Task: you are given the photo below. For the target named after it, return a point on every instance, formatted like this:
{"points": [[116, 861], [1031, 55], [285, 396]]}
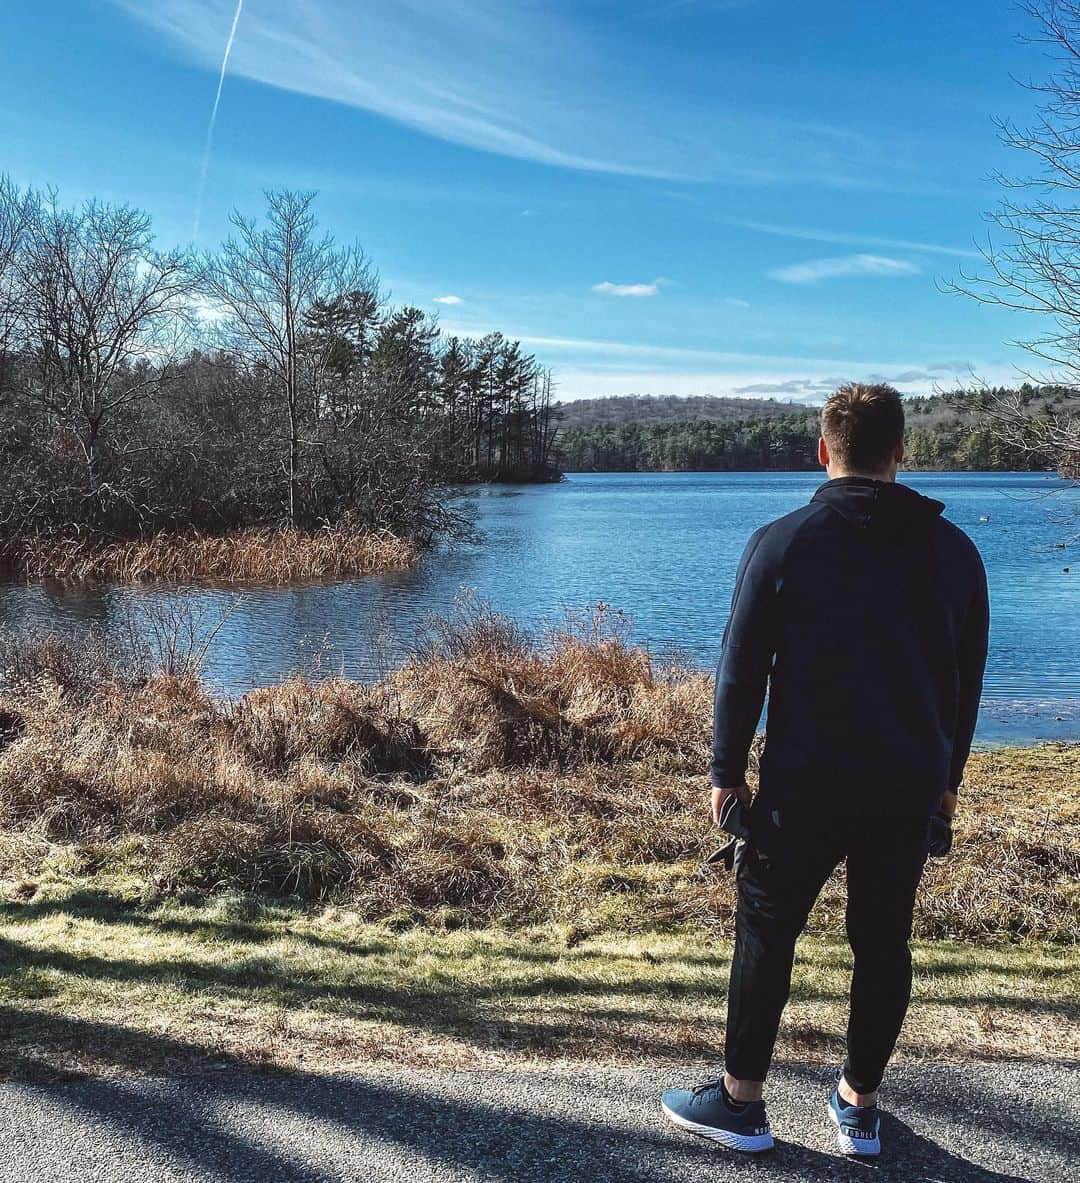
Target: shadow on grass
{"points": [[438, 1119], [437, 1007], [581, 1014]]}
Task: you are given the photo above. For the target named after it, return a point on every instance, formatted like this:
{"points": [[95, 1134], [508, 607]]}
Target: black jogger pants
{"points": [[780, 875]]}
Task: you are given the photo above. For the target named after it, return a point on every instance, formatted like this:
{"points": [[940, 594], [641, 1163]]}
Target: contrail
{"points": [[213, 117]]}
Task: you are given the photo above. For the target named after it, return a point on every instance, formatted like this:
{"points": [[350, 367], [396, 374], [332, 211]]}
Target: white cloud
{"points": [[844, 238], [735, 302], [453, 69], [207, 311], [453, 301], [844, 267], [659, 357], [586, 367], [449, 69], [795, 384], [628, 289]]}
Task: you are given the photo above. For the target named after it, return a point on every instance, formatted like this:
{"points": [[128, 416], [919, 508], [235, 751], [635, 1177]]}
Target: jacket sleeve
{"points": [[742, 674], [971, 656]]}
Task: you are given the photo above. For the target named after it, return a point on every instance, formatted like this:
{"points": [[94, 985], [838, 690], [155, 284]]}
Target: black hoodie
{"points": [[866, 614]]}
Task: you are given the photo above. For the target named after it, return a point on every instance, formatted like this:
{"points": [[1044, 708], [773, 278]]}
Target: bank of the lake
{"points": [[663, 548], [496, 854], [486, 782], [272, 556]]}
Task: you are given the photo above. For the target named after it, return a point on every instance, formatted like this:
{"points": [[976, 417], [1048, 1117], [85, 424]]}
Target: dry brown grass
{"points": [[247, 556], [491, 780], [487, 696]]}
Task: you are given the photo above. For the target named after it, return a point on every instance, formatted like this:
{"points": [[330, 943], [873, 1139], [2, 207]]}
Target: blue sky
{"points": [[657, 196]]}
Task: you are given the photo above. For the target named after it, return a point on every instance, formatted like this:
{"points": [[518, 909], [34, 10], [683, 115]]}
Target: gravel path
{"points": [[971, 1124]]}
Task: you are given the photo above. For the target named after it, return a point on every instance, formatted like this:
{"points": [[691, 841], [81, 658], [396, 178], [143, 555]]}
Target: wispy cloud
{"points": [[846, 238], [790, 388], [921, 378], [846, 266], [736, 302], [628, 289], [450, 69], [586, 367], [791, 385], [643, 355], [453, 301], [453, 69]]}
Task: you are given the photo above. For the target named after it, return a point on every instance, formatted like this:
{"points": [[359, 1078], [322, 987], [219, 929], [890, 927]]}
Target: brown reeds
{"points": [[490, 780], [247, 556]]}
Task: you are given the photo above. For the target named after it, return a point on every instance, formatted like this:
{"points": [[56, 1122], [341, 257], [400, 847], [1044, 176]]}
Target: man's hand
{"points": [[939, 832], [719, 796]]}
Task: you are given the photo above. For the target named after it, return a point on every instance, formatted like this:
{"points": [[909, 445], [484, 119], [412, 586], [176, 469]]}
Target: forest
{"points": [[617, 409], [267, 383], [946, 431], [271, 385]]}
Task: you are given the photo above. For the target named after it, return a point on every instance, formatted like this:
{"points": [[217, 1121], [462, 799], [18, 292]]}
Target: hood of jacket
{"points": [[881, 508]]}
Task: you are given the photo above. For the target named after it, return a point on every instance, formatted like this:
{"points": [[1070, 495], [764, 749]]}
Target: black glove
{"points": [[734, 821], [939, 835]]}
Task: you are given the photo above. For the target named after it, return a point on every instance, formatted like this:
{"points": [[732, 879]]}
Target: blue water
{"points": [[663, 547]]}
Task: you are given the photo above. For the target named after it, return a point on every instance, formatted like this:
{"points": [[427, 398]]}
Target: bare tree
{"points": [[16, 210], [1036, 266], [267, 281], [319, 404], [100, 317]]}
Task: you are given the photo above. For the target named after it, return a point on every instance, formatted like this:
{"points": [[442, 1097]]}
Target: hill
{"points": [[648, 434], [649, 409]]}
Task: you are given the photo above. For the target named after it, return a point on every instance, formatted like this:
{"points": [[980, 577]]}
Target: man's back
{"points": [[867, 611]]}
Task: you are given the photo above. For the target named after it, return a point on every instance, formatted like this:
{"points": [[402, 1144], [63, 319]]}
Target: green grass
{"points": [[95, 984]]}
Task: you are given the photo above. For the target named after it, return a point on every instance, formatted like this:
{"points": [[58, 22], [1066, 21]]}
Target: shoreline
{"points": [[487, 781], [495, 856], [271, 556]]}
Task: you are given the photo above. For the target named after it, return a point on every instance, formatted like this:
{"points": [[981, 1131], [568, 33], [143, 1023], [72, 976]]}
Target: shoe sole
{"points": [[748, 1143], [852, 1147]]}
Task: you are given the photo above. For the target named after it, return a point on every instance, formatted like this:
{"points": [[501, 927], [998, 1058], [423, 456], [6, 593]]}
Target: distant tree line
{"points": [[952, 431], [669, 408], [268, 381], [695, 445]]}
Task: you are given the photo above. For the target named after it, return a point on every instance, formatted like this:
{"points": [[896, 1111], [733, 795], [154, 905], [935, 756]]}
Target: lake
{"points": [[663, 547]]}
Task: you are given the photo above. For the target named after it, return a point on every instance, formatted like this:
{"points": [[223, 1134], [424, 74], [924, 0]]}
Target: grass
{"points": [[490, 781], [495, 853], [250, 556], [96, 985]]}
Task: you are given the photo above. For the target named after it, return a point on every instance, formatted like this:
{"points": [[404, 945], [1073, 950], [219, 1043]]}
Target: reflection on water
{"points": [[664, 547]]}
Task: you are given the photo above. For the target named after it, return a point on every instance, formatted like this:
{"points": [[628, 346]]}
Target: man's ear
{"points": [[823, 452], [898, 454]]}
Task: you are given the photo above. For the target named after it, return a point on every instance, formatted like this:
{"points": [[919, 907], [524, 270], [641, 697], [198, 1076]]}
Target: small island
{"points": [[259, 412]]}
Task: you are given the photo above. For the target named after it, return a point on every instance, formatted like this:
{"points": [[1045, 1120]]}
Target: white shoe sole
{"points": [[853, 1147], [750, 1143]]}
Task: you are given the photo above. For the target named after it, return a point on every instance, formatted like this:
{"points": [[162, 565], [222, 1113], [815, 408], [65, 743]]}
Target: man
{"points": [[866, 614]]}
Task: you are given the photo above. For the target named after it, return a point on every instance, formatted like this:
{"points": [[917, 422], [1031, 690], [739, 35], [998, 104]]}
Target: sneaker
{"points": [[857, 1126], [703, 1110]]}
